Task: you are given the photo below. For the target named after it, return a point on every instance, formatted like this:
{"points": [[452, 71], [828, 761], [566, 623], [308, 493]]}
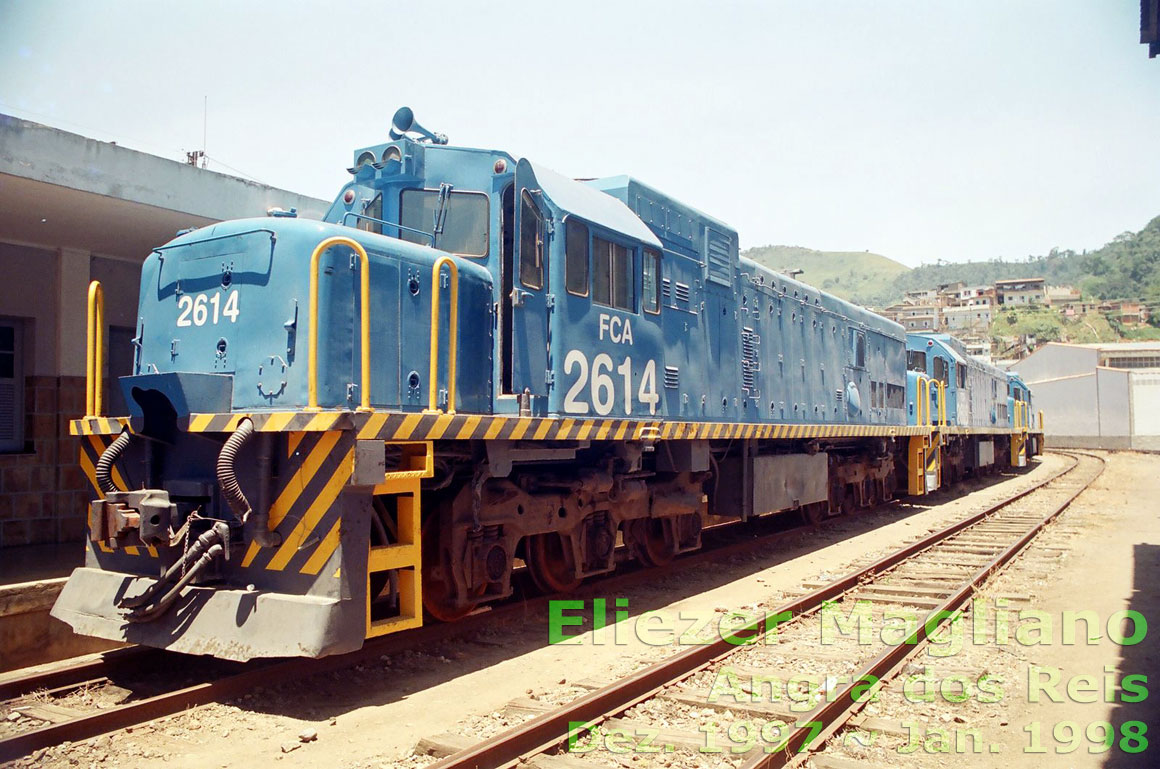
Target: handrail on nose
{"points": [[453, 334], [364, 322]]}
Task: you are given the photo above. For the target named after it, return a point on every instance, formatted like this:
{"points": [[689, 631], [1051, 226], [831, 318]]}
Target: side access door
{"points": [[527, 302]]}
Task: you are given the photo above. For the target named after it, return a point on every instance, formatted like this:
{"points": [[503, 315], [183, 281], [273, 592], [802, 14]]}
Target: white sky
{"points": [[921, 130]]}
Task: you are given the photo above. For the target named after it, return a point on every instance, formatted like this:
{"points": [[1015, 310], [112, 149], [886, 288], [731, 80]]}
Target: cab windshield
{"points": [[464, 220]]}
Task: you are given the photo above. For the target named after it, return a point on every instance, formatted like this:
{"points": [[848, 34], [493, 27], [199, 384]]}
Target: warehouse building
{"points": [[73, 210], [1097, 395]]}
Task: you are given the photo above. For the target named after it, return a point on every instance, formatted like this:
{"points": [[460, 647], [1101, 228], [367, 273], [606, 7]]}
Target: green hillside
{"points": [[1127, 267], [858, 276]]}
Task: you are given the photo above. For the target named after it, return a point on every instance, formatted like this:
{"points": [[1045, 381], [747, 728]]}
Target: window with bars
{"points": [[11, 388]]}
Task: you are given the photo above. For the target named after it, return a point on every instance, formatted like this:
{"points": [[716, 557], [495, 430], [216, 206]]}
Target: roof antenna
{"points": [[198, 157]]}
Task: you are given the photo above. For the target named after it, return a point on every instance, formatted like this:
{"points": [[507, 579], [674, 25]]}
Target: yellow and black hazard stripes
{"points": [[397, 426], [264, 421], [91, 448], [97, 425], [305, 511], [933, 465], [272, 421], [419, 427]]}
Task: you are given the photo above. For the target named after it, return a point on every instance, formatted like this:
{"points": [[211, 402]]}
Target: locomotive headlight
{"points": [[348, 197]]}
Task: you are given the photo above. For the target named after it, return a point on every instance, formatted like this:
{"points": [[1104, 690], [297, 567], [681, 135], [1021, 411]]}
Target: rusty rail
{"points": [[549, 730], [835, 714]]}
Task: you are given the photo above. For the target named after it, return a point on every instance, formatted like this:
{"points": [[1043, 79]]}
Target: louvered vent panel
{"points": [[719, 255], [672, 377], [682, 292], [666, 288], [750, 361], [7, 411]]}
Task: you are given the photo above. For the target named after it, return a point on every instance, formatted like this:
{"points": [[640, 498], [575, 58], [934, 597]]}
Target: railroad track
{"points": [[138, 668], [934, 577]]}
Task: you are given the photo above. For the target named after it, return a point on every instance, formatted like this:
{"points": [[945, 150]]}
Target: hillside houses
{"points": [[968, 311], [963, 308]]}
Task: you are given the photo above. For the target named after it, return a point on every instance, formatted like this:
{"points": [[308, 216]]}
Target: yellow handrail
{"points": [[95, 351], [453, 334], [1022, 416], [941, 391], [923, 415], [364, 322], [1040, 420]]}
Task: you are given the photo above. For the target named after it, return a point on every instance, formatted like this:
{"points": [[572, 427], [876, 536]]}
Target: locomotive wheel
{"points": [[814, 513], [849, 499], [888, 488], [551, 563], [438, 589], [648, 542]]}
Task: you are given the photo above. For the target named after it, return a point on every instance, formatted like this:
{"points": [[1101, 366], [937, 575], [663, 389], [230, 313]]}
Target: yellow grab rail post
{"points": [[1040, 420], [941, 390], [95, 351], [923, 416], [453, 334], [364, 322]]}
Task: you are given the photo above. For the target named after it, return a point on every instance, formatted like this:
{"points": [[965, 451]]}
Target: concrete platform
{"points": [[30, 580], [30, 563], [29, 636]]}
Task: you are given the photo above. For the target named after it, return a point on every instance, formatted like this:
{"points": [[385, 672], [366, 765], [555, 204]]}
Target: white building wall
{"points": [[1069, 407], [1114, 408], [1055, 360], [1145, 410]]}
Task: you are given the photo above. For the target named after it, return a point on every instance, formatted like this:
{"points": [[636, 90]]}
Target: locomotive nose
{"points": [[160, 404]]}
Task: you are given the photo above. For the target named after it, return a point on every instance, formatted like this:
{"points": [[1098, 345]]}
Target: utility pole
{"points": [[204, 128]]}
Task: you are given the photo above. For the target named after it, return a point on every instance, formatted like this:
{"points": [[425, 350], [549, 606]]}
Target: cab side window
{"points": [[531, 243], [916, 361], [940, 370], [576, 258], [613, 277], [858, 348], [651, 285]]}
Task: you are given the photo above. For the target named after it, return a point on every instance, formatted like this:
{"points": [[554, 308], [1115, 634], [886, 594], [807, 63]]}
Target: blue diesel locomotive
{"points": [[474, 364]]}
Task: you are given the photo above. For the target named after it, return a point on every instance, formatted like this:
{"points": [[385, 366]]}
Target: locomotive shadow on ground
{"points": [[1140, 659], [330, 695]]}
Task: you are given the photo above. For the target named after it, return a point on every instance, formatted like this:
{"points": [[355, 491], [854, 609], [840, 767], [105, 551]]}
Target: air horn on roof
{"points": [[404, 123]]}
